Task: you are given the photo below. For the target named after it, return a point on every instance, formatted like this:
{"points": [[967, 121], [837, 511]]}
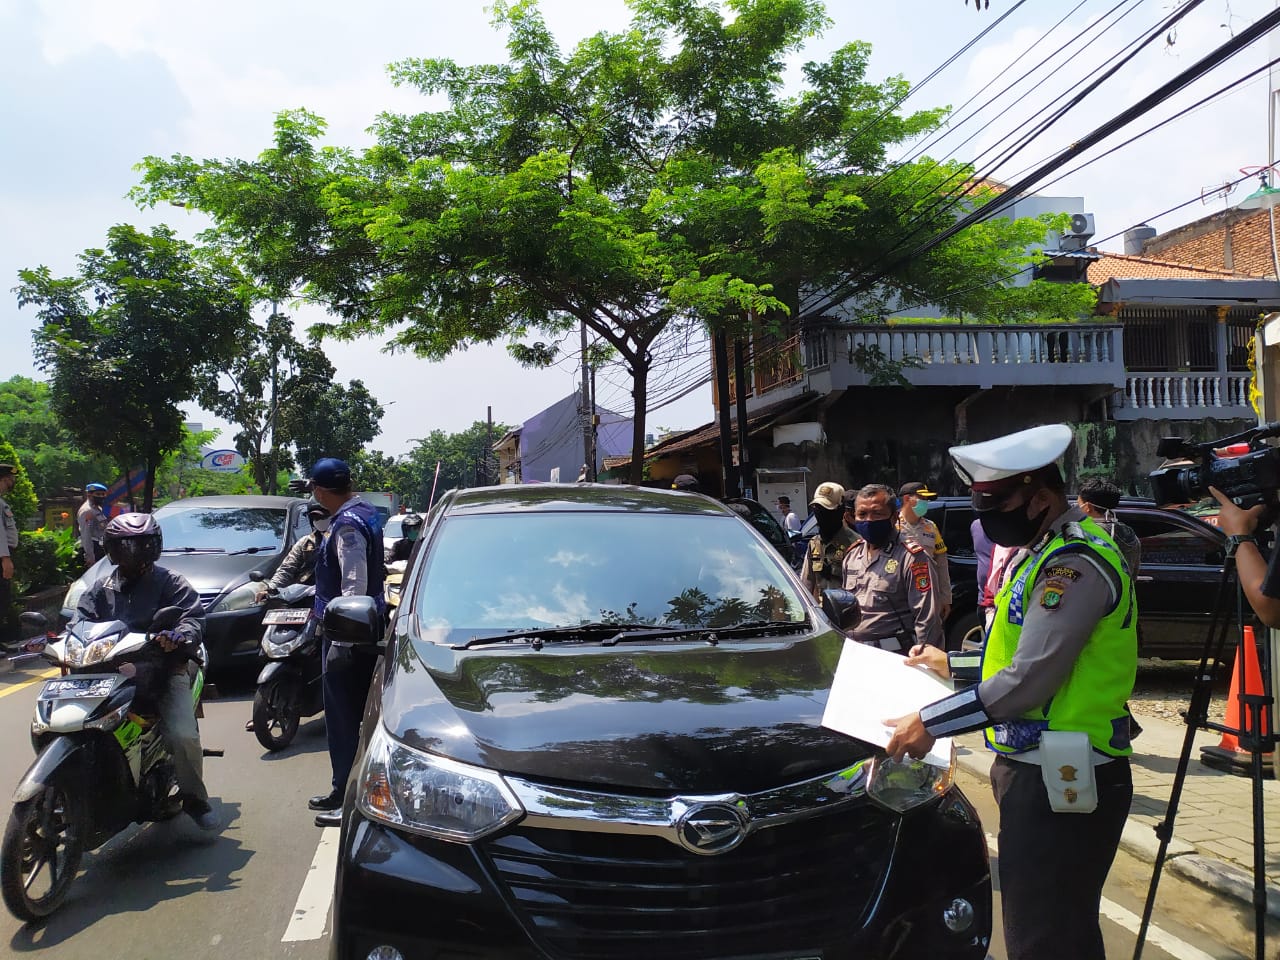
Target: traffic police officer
{"points": [[349, 564], [915, 527], [1058, 664], [10, 633], [824, 554], [890, 575]]}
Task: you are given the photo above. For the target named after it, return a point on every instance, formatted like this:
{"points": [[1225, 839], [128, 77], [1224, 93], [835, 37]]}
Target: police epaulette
{"points": [[912, 546]]}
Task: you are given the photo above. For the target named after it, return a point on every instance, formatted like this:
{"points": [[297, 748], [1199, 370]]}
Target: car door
{"points": [[1177, 583]]}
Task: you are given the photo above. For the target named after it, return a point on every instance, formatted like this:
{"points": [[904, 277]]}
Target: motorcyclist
{"points": [[300, 564], [410, 529], [133, 592]]}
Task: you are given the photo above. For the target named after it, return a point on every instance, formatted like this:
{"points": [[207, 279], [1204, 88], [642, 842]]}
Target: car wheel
{"points": [[965, 632]]}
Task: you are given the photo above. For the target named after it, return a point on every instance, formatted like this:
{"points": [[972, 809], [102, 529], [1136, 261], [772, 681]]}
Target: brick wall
{"points": [[1236, 240]]}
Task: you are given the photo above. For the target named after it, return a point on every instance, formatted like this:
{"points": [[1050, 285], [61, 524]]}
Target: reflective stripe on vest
{"points": [[1092, 699]]}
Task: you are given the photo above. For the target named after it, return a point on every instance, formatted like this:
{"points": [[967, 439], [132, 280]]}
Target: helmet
{"points": [[412, 521], [133, 539], [316, 512]]}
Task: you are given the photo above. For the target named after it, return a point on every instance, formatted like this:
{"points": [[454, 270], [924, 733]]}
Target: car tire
{"points": [[965, 629]]}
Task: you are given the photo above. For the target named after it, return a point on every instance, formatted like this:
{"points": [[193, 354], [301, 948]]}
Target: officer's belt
{"points": [[1033, 756]]}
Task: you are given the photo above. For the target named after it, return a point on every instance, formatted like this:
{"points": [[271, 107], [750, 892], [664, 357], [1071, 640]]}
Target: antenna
{"points": [[1222, 191]]}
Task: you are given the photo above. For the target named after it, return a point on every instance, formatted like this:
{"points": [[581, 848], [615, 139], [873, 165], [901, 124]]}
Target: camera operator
{"points": [[1258, 576]]}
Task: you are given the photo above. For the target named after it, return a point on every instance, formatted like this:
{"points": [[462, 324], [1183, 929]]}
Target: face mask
{"points": [[321, 524], [828, 520], [875, 532], [411, 535], [1011, 528], [920, 508]]}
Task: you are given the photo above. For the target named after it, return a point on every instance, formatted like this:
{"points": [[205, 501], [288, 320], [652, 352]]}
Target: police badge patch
{"points": [[920, 573], [891, 565], [1051, 599]]}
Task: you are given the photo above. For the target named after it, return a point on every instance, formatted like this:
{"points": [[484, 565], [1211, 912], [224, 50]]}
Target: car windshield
{"points": [[491, 574], [222, 529], [392, 529]]}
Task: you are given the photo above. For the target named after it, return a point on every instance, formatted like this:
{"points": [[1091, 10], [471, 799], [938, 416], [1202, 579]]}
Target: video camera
{"points": [[1245, 469]]}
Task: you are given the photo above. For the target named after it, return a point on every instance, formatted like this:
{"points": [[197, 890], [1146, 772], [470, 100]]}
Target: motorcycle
{"points": [[101, 762], [391, 588], [289, 685]]}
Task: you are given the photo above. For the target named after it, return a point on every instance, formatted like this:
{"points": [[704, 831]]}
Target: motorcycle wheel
{"points": [[41, 851], [274, 728]]}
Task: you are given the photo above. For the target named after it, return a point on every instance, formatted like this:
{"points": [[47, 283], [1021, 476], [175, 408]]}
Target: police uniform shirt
{"points": [[1072, 592], [833, 553], [9, 542], [926, 535], [894, 588]]}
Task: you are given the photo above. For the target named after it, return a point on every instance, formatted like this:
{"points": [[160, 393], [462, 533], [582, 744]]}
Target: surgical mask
{"points": [[829, 521], [920, 508], [875, 532], [1011, 528], [411, 535], [321, 524]]}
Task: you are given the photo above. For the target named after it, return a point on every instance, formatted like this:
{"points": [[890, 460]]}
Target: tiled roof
{"points": [[1119, 266]]}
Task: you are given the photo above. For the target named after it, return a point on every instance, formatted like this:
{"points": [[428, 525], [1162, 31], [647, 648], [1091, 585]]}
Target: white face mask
{"points": [[321, 524]]}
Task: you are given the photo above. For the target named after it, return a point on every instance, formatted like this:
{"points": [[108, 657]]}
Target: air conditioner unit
{"points": [[1081, 226]]}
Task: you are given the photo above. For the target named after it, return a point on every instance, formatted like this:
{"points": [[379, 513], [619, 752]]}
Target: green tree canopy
{"points": [[465, 460], [22, 499], [647, 178], [129, 337], [53, 459], [330, 420]]}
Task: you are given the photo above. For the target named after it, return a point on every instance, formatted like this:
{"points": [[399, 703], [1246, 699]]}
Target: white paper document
{"points": [[873, 685]]}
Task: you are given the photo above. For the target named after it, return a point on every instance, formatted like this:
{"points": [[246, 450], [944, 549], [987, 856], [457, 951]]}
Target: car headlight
{"points": [[241, 598], [432, 795], [905, 786], [74, 593]]}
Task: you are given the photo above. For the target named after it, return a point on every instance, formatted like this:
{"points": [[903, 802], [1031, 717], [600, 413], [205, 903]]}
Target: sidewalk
{"points": [[1213, 830]]}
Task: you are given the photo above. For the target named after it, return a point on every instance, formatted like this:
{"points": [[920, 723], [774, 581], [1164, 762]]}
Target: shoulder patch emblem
{"points": [[920, 574], [1051, 599], [1062, 573]]}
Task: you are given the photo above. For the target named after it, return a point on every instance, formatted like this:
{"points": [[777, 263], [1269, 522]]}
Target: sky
{"points": [[88, 87]]}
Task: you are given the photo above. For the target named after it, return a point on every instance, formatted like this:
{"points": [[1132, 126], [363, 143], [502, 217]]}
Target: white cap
{"points": [[995, 468]]}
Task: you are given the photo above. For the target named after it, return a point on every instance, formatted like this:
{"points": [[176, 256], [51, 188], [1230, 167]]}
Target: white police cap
{"points": [[994, 469]]}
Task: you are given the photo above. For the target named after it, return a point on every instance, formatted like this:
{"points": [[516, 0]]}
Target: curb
{"points": [[1139, 840]]}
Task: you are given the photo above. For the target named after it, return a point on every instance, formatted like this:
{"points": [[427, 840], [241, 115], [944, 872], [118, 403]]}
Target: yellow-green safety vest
{"points": [[1092, 700]]}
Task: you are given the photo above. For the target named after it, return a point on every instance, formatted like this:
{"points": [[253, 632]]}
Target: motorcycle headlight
{"points": [[73, 651], [905, 786], [292, 641], [432, 795], [98, 651], [241, 598]]}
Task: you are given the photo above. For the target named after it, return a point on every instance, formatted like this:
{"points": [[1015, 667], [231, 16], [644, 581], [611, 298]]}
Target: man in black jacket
{"points": [[133, 592]]}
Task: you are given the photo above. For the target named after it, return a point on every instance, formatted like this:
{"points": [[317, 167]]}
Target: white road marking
{"points": [[311, 912], [1173, 946]]}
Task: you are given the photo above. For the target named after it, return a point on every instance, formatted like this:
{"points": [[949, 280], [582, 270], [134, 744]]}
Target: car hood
{"points": [[743, 716]]}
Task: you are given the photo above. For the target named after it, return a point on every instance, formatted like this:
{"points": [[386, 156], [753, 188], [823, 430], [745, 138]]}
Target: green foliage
{"points": [[46, 558], [180, 474], [330, 420], [465, 459], [127, 339], [54, 461], [650, 177], [22, 499]]}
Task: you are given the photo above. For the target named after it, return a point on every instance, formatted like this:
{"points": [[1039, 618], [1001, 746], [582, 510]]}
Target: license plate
{"points": [[287, 615], [72, 688]]}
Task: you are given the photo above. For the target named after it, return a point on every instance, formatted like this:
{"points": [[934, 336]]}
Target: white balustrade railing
{"points": [[1176, 391], [988, 345]]}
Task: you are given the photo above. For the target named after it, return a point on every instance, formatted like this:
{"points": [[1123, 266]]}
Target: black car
{"points": [[216, 543], [596, 732], [1177, 584]]}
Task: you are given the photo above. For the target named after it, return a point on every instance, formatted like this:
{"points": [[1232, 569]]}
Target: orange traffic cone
{"points": [[1228, 755]]}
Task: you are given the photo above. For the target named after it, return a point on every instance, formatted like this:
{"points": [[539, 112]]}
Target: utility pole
{"points": [[488, 443], [587, 411], [746, 482], [728, 475]]}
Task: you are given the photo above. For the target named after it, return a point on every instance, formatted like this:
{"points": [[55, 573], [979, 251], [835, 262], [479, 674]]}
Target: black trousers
{"points": [[345, 685], [10, 631], [1053, 865]]}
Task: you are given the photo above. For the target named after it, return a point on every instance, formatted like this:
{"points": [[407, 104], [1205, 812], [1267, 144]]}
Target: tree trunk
{"points": [[149, 486], [640, 393]]}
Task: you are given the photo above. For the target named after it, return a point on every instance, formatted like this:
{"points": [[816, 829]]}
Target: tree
{"points": [[266, 375], [53, 459], [463, 458], [129, 338], [330, 420], [649, 178], [22, 498]]}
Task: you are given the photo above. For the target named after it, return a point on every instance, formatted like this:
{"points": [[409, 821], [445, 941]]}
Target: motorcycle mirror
{"points": [[167, 618], [353, 620], [841, 608], [257, 576], [36, 622]]}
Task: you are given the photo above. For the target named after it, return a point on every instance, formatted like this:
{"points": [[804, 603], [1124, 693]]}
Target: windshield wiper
{"points": [[711, 634], [750, 627], [193, 550], [236, 553], [550, 633]]}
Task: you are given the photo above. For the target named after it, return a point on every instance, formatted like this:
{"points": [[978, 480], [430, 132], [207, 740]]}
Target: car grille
{"points": [[207, 599], [605, 895]]}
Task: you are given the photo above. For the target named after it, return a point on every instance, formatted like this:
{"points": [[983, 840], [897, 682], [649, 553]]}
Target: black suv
{"points": [[1177, 584], [596, 732]]}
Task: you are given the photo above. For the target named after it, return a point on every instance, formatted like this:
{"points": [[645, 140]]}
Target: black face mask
{"points": [[1011, 528], [829, 521]]}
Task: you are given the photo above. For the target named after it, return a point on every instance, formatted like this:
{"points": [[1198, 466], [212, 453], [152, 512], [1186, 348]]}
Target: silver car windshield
{"points": [[523, 571]]}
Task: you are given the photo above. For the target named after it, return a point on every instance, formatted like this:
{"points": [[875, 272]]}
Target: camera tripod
{"points": [[1255, 734]]}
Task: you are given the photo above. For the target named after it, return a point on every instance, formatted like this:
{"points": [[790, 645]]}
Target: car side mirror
{"points": [[167, 618], [841, 608], [353, 620]]}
